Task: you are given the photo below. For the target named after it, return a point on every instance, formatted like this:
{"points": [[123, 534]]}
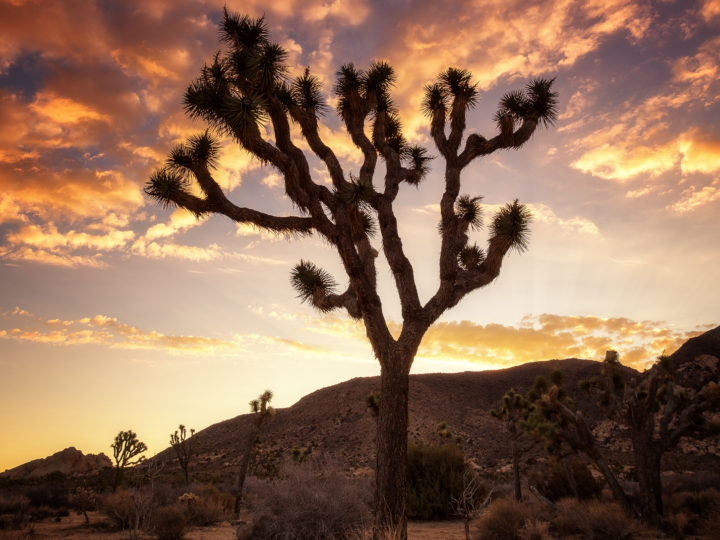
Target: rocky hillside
{"points": [[335, 422], [69, 461]]}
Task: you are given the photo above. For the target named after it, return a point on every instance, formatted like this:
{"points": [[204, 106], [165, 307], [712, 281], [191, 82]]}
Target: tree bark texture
{"points": [[391, 461]]}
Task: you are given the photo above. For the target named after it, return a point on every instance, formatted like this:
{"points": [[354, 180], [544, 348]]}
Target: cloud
{"points": [[535, 338], [103, 330]]}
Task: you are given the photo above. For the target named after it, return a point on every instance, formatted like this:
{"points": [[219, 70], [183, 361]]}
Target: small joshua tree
{"points": [[514, 413], [184, 447], [566, 431], [126, 453], [261, 411], [246, 92]]}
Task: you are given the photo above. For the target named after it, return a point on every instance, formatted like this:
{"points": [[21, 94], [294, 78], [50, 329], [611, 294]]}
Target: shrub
{"points": [[503, 520], [535, 529], [128, 509], [207, 505], [14, 510], [311, 501], [435, 476], [169, 522], [552, 481], [593, 520], [689, 511]]}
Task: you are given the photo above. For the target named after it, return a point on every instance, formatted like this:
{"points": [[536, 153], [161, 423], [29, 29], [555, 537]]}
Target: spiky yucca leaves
{"points": [[418, 159], [309, 280], [243, 31], [458, 83], [214, 99], [537, 99], [512, 223], [543, 101], [357, 192], [470, 257], [393, 134], [200, 149], [469, 212], [436, 98], [377, 81], [348, 84], [164, 185], [305, 92]]}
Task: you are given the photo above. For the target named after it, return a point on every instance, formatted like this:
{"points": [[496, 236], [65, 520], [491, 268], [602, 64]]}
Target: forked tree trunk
{"points": [[391, 460]]}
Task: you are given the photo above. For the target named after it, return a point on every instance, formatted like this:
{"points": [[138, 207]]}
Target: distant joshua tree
{"points": [[245, 92], [184, 447], [658, 412], [261, 411], [125, 448], [514, 413]]}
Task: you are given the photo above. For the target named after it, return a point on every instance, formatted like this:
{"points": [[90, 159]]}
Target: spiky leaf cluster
{"points": [[309, 280], [357, 192], [537, 99], [512, 223], [470, 257], [306, 93], [375, 84], [458, 83], [418, 160], [200, 149], [230, 94], [436, 98], [163, 185], [394, 137], [469, 211]]}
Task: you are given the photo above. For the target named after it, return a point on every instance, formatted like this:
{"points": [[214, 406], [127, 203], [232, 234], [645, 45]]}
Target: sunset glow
{"points": [[117, 314]]}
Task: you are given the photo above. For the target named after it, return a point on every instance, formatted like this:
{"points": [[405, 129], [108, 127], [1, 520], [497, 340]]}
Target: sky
{"points": [[116, 313]]}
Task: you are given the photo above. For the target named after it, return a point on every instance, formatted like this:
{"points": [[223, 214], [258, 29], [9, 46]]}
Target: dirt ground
{"points": [[73, 527]]}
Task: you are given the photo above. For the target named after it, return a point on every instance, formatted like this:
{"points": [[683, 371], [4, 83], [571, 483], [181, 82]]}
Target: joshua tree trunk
{"points": [[516, 469], [391, 460], [244, 466], [647, 465]]}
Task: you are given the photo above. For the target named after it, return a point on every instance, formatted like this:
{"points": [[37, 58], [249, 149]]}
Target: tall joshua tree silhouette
{"points": [[247, 85]]}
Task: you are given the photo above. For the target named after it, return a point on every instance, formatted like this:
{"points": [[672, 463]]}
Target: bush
{"points": [[503, 520], [593, 519], [128, 509], [314, 500], [207, 505], [688, 511], [435, 476], [552, 481], [169, 522], [14, 510]]}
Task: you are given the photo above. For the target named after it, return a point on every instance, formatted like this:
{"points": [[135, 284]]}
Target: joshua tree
{"points": [[261, 411], [247, 86], [184, 447], [125, 448], [513, 413], [658, 412]]}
